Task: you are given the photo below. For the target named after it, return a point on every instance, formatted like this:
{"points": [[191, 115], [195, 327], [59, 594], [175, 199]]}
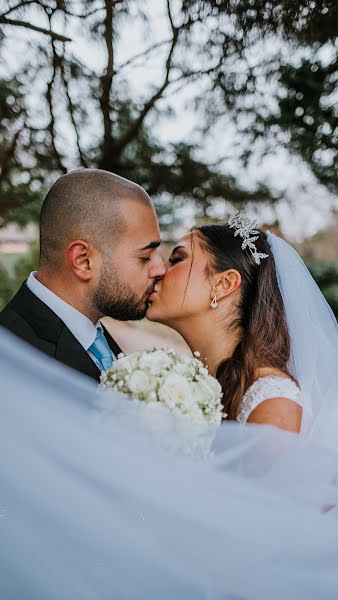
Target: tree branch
{"points": [[71, 111], [52, 34], [198, 73], [143, 54], [49, 98], [106, 85], [9, 155], [20, 5], [91, 12], [137, 124], [173, 28], [84, 15]]}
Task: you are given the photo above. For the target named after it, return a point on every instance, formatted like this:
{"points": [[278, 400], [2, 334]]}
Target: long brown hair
{"points": [[264, 339]]}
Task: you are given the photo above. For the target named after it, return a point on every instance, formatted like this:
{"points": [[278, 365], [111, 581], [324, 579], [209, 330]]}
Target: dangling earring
{"points": [[214, 302]]}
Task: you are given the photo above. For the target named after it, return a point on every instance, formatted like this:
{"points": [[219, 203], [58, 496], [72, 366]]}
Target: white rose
{"points": [[139, 383], [180, 368], [214, 385], [175, 390], [202, 393], [155, 361], [126, 362]]}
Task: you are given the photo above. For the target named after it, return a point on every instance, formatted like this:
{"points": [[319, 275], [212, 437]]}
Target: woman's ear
{"points": [[80, 260], [226, 283]]}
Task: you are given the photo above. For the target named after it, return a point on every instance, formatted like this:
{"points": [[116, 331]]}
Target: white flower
{"points": [[166, 378], [175, 390], [202, 393], [122, 363], [155, 361], [139, 383], [214, 385], [180, 368]]}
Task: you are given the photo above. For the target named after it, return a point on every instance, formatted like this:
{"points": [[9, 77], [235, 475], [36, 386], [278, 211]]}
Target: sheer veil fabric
{"points": [[91, 507], [314, 342]]}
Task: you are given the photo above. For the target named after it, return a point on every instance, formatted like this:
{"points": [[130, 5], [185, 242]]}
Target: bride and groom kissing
{"points": [[99, 240]]}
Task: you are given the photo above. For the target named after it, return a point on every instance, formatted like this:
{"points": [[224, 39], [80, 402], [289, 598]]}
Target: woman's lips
{"points": [[151, 296]]}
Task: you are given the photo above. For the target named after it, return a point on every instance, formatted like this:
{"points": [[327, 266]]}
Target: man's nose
{"points": [[159, 270]]}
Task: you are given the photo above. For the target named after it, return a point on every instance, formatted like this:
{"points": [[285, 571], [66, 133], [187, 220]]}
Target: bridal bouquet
{"points": [[170, 396], [164, 376]]}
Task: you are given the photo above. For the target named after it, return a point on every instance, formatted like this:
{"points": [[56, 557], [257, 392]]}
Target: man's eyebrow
{"points": [[152, 245]]}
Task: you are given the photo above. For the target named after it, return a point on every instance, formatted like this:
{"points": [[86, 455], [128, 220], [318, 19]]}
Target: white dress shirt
{"points": [[82, 328]]}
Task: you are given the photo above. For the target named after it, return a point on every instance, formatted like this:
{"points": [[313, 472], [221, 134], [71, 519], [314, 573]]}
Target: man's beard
{"points": [[113, 298]]}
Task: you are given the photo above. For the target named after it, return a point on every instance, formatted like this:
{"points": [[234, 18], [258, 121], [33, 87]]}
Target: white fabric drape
{"points": [[91, 507], [314, 342]]}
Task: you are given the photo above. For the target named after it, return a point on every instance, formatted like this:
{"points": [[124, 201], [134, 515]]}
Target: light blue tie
{"points": [[100, 349]]}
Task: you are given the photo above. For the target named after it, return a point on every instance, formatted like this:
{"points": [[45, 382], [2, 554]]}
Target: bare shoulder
{"points": [[279, 411]]}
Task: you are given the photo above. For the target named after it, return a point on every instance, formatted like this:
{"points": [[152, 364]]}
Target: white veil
{"points": [[90, 508], [314, 342]]}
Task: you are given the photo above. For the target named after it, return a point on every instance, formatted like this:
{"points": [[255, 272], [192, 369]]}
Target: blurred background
{"points": [[210, 105]]}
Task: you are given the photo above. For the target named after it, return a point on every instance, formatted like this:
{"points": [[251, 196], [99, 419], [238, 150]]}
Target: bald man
{"points": [[99, 237]]}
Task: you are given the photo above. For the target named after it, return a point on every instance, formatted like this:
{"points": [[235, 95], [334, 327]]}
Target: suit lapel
{"points": [[44, 321], [49, 326], [71, 353], [111, 342]]}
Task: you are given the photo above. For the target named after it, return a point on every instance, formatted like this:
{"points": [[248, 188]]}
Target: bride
{"points": [[246, 302]]}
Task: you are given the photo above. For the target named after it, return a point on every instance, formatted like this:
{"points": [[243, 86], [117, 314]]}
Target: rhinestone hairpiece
{"points": [[246, 229]]}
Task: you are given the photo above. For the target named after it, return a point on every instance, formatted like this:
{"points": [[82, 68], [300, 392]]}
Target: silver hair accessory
{"points": [[246, 229]]}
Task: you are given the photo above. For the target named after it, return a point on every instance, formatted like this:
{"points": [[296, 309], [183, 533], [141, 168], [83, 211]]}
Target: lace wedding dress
{"points": [[264, 388]]}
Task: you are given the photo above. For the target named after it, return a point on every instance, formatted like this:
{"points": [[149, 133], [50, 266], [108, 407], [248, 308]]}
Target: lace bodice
{"points": [[264, 388]]}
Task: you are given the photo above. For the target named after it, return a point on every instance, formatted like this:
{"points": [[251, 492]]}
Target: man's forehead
{"points": [[141, 227], [139, 240]]}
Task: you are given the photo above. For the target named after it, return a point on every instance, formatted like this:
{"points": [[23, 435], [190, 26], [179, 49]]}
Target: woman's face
{"points": [[185, 290]]}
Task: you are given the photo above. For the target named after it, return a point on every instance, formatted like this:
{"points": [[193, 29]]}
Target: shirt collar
{"points": [[82, 328]]}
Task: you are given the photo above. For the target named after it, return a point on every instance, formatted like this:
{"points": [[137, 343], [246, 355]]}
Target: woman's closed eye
{"points": [[175, 259]]}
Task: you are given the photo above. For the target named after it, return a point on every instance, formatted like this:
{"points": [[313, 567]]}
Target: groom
{"points": [[98, 257]]}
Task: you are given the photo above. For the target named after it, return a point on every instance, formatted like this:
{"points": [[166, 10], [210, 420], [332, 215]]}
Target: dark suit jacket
{"points": [[30, 319]]}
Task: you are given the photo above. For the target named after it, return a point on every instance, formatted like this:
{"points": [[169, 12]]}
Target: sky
{"points": [[305, 206]]}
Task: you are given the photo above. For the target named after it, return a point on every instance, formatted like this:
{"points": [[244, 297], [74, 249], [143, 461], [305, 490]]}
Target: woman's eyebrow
{"points": [[177, 248]]}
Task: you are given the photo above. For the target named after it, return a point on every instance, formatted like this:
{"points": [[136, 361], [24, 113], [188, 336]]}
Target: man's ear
{"points": [[226, 283], [79, 256]]}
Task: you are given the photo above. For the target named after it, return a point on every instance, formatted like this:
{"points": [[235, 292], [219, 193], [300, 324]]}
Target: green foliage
{"points": [[11, 281], [33, 150], [326, 276], [211, 42], [306, 20], [301, 76], [308, 113], [25, 163], [6, 292]]}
